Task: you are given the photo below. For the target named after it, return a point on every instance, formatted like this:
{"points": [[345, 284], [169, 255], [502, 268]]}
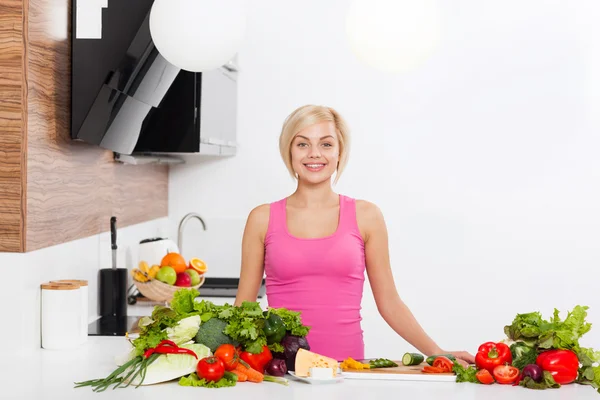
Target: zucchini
{"points": [[412, 359], [430, 359]]}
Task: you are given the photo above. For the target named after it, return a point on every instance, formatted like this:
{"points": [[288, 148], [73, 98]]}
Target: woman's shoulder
{"points": [[368, 214]]}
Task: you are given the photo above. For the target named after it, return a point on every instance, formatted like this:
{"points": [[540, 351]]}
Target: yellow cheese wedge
{"points": [[307, 359]]}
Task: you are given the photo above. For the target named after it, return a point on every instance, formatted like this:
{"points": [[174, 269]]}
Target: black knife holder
{"points": [[112, 290]]}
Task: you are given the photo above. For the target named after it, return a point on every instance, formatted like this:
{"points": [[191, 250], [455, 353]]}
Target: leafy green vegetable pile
{"points": [[244, 325], [533, 334], [187, 321]]}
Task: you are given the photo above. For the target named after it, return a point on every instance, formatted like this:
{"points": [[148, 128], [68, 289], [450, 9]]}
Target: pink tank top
{"points": [[322, 278]]}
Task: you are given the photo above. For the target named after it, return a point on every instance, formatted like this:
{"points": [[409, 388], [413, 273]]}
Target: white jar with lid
{"points": [[83, 284], [60, 315]]}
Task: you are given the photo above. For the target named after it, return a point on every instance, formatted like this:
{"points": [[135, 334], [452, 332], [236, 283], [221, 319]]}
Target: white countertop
{"points": [[47, 374]]}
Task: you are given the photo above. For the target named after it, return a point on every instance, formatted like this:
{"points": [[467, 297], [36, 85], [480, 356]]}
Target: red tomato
{"points": [[484, 376], [228, 355], [443, 363], [210, 368], [432, 370], [506, 374]]}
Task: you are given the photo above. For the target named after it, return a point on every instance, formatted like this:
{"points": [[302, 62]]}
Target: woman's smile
{"points": [[315, 167]]}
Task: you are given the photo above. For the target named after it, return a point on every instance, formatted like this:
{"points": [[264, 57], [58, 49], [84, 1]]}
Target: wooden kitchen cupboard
{"points": [[52, 189]]}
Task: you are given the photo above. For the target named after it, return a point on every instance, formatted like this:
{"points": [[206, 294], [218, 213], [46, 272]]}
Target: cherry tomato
{"points": [[210, 368], [443, 363], [506, 374], [484, 376], [228, 355]]}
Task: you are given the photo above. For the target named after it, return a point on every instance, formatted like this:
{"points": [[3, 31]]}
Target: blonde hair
{"points": [[308, 115]]}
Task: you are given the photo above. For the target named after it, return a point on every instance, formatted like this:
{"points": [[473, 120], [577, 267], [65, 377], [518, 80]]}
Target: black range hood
{"points": [[128, 99]]}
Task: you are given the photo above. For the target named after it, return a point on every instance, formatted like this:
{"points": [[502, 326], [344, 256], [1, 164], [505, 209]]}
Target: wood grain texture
{"points": [[73, 188], [13, 93]]}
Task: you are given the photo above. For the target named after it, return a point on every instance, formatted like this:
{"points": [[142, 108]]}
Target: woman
{"points": [[315, 245]]}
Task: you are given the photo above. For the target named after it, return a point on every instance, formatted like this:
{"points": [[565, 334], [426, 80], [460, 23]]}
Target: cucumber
{"points": [[433, 357], [412, 359], [382, 363]]}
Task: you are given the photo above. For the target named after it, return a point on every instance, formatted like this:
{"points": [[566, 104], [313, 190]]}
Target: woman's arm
{"points": [[393, 310], [253, 253]]}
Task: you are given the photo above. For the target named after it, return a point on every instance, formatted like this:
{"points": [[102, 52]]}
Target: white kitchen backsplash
{"points": [[79, 259]]}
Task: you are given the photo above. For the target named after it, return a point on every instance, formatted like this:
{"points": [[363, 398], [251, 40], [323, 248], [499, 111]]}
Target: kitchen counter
{"points": [[47, 374]]}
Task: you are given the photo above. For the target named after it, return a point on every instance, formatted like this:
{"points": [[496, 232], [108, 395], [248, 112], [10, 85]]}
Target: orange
{"points": [[174, 260], [198, 265]]}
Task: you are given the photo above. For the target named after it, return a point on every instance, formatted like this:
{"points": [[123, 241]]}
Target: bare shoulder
{"points": [[258, 220], [367, 210], [260, 213], [369, 218]]}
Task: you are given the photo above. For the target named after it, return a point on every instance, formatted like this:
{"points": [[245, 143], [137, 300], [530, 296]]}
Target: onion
{"points": [[276, 367], [533, 371]]}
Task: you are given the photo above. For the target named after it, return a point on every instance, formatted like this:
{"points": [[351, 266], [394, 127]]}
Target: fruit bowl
{"points": [[159, 291]]}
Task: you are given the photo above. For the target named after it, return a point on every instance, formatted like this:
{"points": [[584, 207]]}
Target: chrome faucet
{"points": [[182, 224]]}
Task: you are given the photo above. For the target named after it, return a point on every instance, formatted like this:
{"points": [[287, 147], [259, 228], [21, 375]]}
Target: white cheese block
{"points": [[321, 373]]}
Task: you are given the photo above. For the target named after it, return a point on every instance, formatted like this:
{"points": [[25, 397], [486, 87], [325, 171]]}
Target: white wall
{"points": [[484, 161], [22, 275]]}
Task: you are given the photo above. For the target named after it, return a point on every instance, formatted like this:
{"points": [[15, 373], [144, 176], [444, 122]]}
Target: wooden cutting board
{"points": [[399, 373]]}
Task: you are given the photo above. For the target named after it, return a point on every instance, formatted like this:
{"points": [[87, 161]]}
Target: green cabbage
{"points": [[185, 330]]}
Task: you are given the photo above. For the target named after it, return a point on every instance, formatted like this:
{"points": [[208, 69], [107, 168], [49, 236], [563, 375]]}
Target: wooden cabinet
{"points": [[52, 189]]}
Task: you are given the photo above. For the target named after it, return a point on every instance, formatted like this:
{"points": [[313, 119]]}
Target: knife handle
{"points": [[113, 232]]}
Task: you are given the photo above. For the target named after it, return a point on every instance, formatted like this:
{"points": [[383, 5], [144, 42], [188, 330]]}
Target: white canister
{"points": [[83, 284], [60, 315]]}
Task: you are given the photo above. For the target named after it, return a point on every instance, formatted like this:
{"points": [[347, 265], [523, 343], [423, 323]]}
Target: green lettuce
{"points": [[227, 380]]}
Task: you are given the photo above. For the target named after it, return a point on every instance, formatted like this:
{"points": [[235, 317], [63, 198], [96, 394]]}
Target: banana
{"points": [[143, 266], [139, 276], [153, 271]]}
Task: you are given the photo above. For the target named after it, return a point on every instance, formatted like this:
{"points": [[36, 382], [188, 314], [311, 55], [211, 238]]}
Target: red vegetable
{"points": [[443, 363], [167, 348], [563, 365], [210, 368], [490, 355], [506, 374], [484, 376], [229, 355], [258, 361]]}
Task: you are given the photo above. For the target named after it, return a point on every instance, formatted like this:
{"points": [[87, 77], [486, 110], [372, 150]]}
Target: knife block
{"points": [[112, 291]]}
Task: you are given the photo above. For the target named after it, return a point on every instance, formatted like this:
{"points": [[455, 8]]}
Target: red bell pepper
{"points": [[490, 355], [257, 361], [562, 364]]}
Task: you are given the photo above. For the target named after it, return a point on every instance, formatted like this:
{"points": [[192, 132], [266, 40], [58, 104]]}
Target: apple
{"points": [[194, 276], [167, 275], [183, 279]]}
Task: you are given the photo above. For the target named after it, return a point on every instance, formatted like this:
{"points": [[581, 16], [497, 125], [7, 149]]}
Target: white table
{"points": [[45, 374]]}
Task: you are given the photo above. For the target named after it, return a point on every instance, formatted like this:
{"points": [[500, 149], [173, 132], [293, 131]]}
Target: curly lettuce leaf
{"points": [[292, 321], [193, 380], [465, 374]]}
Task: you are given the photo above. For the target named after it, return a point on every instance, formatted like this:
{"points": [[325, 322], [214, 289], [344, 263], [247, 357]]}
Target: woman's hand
{"points": [[464, 358]]}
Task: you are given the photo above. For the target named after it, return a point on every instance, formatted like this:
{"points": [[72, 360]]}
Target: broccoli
{"points": [[211, 334]]}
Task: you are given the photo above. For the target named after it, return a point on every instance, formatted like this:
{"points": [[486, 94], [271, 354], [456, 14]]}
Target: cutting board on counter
{"points": [[399, 373]]}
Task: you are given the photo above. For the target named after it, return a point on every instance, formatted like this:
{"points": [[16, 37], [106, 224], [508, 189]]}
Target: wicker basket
{"points": [[160, 291]]}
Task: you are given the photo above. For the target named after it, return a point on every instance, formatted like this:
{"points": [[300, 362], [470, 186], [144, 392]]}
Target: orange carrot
{"points": [[242, 377], [252, 374]]}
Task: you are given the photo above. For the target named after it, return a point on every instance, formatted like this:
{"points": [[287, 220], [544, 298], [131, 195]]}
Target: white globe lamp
{"points": [[393, 36], [198, 35]]}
